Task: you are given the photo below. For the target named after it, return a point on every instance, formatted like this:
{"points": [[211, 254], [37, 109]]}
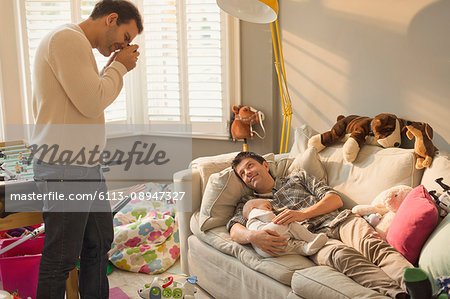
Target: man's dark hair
{"points": [[244, 155], [126, 10]]}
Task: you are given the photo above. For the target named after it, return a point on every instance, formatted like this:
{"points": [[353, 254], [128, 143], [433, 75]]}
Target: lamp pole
{"points": [[266, 11]]}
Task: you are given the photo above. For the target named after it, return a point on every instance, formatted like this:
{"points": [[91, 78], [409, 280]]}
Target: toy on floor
{"points": [[168, 288], [423, 146], [6, 295], [385, 130], [385, 204], [443, 201]]}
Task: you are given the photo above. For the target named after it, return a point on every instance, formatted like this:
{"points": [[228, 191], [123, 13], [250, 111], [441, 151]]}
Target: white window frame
{"points": [[137, 110]]}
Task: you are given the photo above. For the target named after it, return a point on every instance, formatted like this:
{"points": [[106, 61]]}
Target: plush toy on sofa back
{"points": [[423, 146], [386, 204], [384, 129]]}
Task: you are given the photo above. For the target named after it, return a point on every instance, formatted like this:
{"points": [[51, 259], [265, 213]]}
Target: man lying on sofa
{"points": [[354, 249]]}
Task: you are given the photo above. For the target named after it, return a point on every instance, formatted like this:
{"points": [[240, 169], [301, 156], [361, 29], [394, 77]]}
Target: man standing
{"points": [[69, 99], [354, 250]]}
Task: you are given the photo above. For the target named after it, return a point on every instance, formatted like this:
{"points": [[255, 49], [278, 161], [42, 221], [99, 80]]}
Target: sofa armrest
{"points": [[187, 181]]}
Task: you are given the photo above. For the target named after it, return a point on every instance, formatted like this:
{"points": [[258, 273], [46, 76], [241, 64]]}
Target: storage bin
{"points": [[19, 267]]}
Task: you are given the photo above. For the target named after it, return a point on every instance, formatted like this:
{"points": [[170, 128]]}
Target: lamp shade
{"points": [[255, 11]]}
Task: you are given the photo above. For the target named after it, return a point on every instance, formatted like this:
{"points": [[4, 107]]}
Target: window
{"points": [[188, 51]]}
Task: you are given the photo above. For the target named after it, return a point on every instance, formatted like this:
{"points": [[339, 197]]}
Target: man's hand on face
{"points": [[128, 56], [268, 241], [288, 216]]}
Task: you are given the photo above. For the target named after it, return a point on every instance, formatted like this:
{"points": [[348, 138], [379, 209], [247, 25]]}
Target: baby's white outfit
{"points": [[300, 240]]}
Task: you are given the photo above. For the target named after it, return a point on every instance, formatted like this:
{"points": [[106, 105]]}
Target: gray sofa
{"points": [[226, 269]]}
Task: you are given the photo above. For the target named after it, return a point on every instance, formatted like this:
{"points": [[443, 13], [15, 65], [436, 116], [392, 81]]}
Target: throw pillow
{"points": [[440, 168], [213, 164], [301, 138], [310, 162], [415, 220], [434, 257], [222, 193]]}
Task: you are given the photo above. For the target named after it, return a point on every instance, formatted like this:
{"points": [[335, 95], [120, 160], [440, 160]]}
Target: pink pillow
{"points": [[413, 223]]}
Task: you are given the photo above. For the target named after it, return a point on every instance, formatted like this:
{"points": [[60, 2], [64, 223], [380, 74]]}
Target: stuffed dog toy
{"points": [[423, 146], [384, 129]]}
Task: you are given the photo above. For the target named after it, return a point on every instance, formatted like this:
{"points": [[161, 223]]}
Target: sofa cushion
{"points": [[310, 161], [413, 223], [223, 276], [440, 168], [325, 282], [212, 164], [225, 189], [374, 170], [280, 268], [434, 257], [302, 135]]}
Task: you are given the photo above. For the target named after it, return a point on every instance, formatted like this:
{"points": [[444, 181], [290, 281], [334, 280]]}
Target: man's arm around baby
{"points": [[270, 241]]}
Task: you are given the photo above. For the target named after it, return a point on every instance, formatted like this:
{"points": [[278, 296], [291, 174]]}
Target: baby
{"points": [[300, 240]]}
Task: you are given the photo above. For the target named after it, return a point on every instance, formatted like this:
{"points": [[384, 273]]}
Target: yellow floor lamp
{"points": [[266, 11]]}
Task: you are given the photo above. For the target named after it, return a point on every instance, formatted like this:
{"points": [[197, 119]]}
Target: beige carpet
{"points": [[130, 282]]}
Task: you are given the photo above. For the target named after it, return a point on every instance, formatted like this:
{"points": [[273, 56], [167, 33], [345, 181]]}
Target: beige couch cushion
{"points": [[440, 168], [374, 170], [310, 161], [434, 258], [212, 164], [223, 191], [324, 282], [281, 268], [301, 138]]}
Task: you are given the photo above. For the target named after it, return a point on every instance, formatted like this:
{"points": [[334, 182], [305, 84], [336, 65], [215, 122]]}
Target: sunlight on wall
{"points": [[368, 57], [306, 86]]}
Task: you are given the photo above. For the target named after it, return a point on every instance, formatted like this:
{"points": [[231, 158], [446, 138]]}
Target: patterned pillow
{"points": [[146, 237]]}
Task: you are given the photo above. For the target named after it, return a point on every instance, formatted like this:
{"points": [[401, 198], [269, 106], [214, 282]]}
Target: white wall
{"points": [[367, 57]]}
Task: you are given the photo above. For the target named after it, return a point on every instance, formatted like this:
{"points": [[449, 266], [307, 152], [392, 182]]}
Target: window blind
{"points": [[182, 76], [162, 60], [184, 68], [44, 16], [117, 111]]}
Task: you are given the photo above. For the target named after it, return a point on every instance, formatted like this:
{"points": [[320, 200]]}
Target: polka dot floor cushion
{"points": [[146, 233]]}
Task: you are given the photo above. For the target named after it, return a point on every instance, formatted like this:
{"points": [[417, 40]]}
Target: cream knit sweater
{"points": [[69, 94]]}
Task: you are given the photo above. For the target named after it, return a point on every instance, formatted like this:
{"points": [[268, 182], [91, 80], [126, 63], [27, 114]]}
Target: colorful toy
{"points": [[386, 204], [168, 288], [15, 165], [6, 295], [384, 129], [241, 127], [423, 146], [443, 201]]}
